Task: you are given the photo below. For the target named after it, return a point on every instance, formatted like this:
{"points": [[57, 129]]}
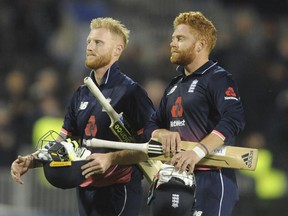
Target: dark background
{"points": [[42, 52]]}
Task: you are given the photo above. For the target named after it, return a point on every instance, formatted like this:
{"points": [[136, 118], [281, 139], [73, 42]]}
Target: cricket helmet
{"points": [[62, 160], [172, 193], [64, 174]]}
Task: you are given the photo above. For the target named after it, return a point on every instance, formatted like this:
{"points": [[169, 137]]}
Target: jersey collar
{"points": [[107, 75], [203, 69]]}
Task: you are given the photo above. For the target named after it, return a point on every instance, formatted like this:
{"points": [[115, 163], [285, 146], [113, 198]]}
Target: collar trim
{"points": [[106, 76], [180, 68]]}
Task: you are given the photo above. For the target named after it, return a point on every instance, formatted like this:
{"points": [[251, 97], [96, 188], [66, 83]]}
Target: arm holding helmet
{"points": [[100, 162], [22, 164]]}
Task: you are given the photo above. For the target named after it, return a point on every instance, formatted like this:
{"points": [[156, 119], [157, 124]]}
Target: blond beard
{"points": [[183, 58], [100, 62]]}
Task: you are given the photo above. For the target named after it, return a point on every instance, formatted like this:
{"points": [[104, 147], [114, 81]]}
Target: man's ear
{"points": [[118, 50], [201, 44]]}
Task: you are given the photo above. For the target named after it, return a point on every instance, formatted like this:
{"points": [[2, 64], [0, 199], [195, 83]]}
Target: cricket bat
{"points": [[122, 129], [224, 156]]}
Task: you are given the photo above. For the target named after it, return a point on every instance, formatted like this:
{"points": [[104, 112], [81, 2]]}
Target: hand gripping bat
{"points": [[122, 129], [223, 156]]}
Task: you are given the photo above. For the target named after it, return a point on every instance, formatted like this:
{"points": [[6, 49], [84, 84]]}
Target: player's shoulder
{"points": [[136, 89], [123, 81], [219, 72], [82, 88], [81, 92], [117, 77], [175, 80]]}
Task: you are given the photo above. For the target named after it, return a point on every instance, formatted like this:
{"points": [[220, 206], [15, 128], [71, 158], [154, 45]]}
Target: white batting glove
{"points": [[167, 171]]}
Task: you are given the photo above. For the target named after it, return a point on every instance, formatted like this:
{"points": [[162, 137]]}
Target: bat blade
{"points": [[224, 156], [119, 129], [230, 156], [150, 167]]}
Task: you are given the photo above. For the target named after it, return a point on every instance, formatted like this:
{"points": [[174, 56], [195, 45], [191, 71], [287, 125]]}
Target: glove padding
{"points": [[167, 172], [66, 150]]}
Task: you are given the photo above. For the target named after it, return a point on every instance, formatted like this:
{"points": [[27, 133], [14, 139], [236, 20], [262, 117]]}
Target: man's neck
{"points": [[100, 73], [193, 66]]}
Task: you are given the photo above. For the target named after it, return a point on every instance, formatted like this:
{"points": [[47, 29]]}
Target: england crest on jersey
{"points": [[109, 101], [192, 86]]}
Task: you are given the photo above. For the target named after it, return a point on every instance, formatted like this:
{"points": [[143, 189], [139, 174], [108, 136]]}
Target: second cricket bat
{"points": [[224, 156]]}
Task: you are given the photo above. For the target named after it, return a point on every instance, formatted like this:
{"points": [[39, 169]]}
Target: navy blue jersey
{"points": [[195, 105], [207, 101], [87, 119]]}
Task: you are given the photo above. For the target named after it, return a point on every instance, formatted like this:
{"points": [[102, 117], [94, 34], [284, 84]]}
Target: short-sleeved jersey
{"points": [[195, 105], [87, 119]]}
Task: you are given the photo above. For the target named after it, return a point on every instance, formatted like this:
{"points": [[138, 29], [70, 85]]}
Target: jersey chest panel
{"points": [[188, 108]]}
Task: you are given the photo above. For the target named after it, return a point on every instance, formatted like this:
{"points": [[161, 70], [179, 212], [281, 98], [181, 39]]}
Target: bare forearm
{"points": [[127, 157], [211, 142], [33, 163]]}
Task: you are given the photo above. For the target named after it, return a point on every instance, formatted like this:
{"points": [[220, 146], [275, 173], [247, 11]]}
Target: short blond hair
{"points": [[114, 26], [200, 24]]}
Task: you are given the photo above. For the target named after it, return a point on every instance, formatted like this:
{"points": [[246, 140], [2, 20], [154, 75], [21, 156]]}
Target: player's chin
{"points": [[174, 59], [89, 64]]}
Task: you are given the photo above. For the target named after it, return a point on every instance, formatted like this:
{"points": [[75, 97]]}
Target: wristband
{"points": [[206, 149], [199, 152], [217, 133]]}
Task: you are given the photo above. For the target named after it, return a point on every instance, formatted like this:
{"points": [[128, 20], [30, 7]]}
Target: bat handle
{"points": [[102, 100], [99, 143], [154, 147]]}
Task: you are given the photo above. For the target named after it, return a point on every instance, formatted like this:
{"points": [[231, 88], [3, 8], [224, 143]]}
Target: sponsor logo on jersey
{"points": [[230, 94], [172, 90], [177, 123], [247, 158], [177, 109], [83, 105], [91, 127], [177, 112], [192, 86]]}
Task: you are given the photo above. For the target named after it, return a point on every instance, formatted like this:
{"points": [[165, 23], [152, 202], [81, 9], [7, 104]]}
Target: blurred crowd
{"points": [[42, 52]]}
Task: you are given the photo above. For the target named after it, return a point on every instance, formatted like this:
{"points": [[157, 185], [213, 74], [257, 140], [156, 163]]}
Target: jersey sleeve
{"points": [[224, 95], [158, 119], [140, 108], [69, 123]]}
